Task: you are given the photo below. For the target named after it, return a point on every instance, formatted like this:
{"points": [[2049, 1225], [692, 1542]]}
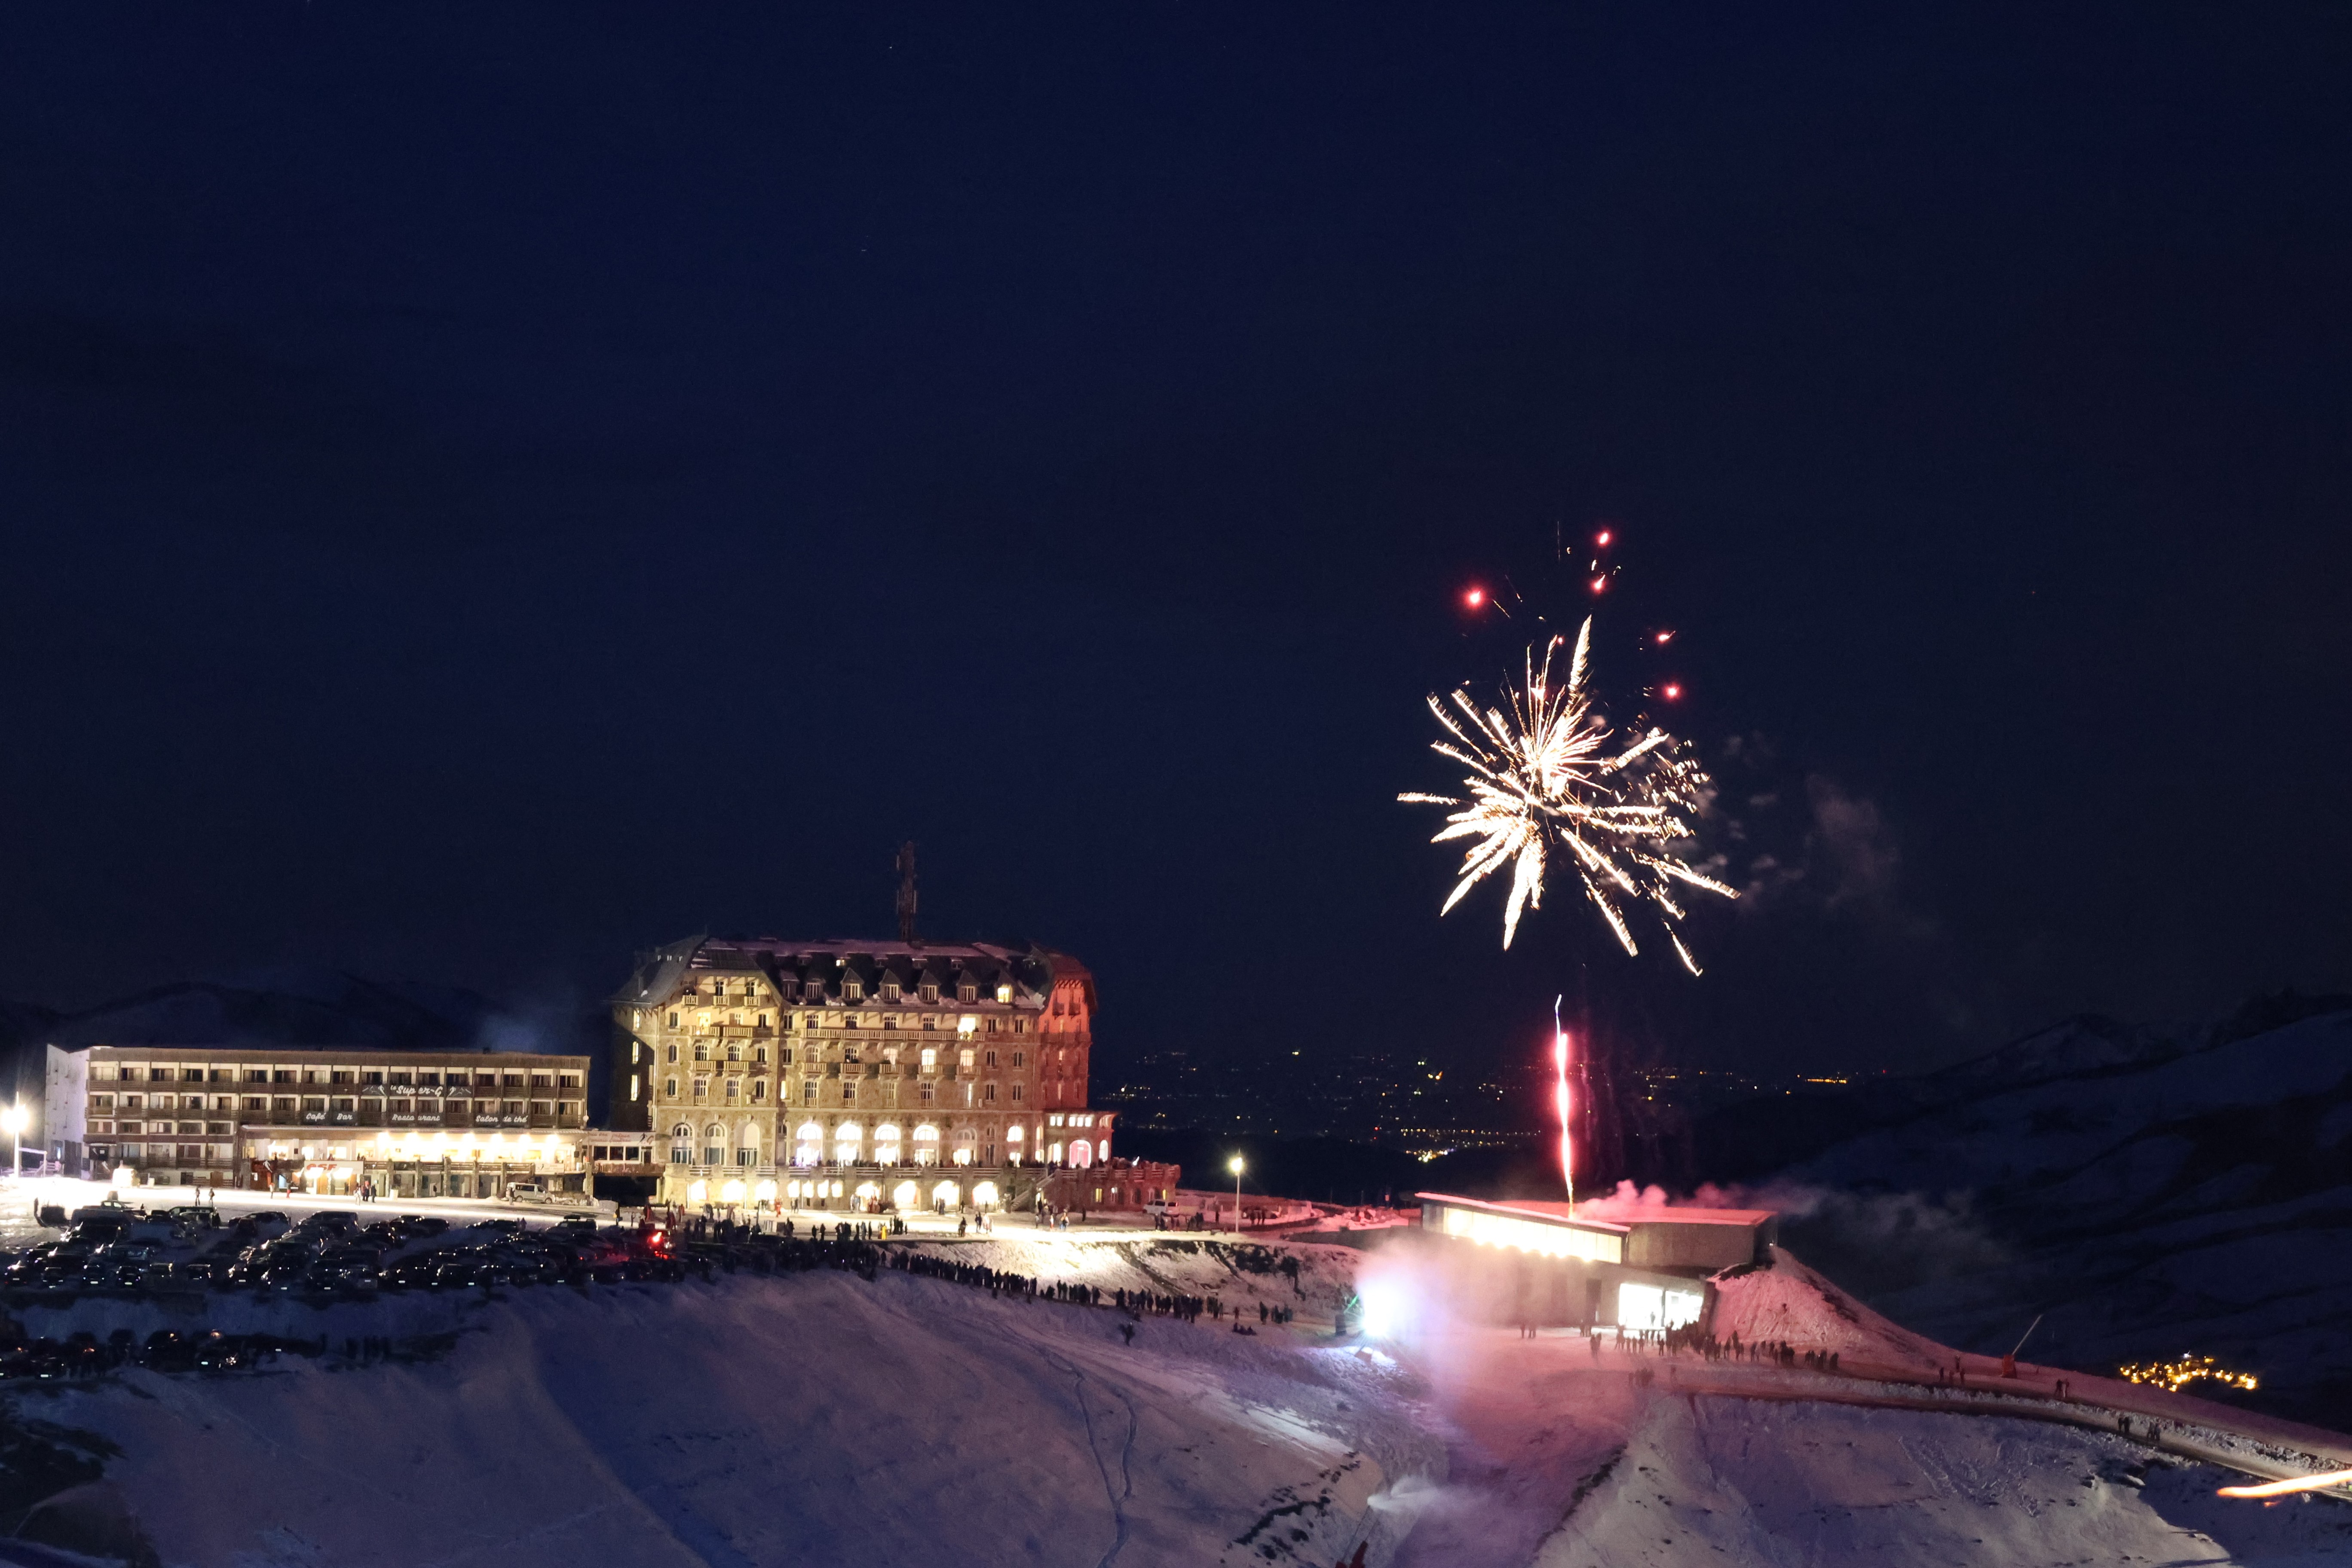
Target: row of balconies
{"points": [[568, 1118]]}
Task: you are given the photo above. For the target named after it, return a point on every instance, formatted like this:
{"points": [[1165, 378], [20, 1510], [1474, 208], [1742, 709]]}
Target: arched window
{"points": [[1082, 1154], [702, 1051], [886, 1143], [965, 1141], [927, 1145], [714, 1144], [944, 1196], [845, 1141], [983, 1195], [906, 1195], [808, 1144], [682, 1144], [747, 1146], [734, 1053]]}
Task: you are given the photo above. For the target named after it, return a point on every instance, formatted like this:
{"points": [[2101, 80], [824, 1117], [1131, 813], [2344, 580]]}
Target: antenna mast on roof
{"points": [[906, 895]]}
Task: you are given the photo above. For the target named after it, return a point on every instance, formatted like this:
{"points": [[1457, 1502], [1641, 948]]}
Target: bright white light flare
{"points": [[1542, 786]]}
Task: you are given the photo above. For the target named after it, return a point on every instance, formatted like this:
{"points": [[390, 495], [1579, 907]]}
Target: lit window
{"points": [[1005, 993]]}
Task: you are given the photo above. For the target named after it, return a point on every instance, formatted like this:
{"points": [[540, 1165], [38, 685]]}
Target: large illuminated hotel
{"points": [[906, 1075], [415, 1123]]}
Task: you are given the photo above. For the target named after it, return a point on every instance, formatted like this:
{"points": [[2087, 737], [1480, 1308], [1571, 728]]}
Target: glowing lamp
{"points": [[1475, 598]]}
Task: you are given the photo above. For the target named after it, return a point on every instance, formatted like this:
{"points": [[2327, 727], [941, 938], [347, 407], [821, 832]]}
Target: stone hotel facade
{"points": [[906, 1075]]}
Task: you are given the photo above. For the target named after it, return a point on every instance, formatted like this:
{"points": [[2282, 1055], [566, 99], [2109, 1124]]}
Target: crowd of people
{"points": [[1135, 1303]]}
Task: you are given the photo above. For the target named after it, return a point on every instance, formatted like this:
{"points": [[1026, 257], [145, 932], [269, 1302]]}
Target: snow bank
{"points": [[1789, 1301], [1733, 1481], [817, 1418]]}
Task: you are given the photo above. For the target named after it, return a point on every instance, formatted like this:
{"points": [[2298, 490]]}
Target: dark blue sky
{"points": [[490, 488]]}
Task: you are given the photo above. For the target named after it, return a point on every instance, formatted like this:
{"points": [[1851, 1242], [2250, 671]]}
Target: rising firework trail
{"points": [[1544, 785], [1560, 1104]]}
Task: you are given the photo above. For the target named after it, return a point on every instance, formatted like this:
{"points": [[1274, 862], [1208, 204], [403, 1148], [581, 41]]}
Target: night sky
{"points": [[490, 489]]}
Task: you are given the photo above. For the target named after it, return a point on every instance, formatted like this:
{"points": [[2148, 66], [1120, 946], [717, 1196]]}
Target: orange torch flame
{"points": [[2283, 1489]]}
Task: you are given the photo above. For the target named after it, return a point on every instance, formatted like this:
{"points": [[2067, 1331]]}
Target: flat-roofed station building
{"points": [[418, 1123], [1639, 1270], [857, 1074]]}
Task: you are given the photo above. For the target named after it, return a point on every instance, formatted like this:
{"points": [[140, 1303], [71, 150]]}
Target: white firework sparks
{"points": [[1543, 786]]}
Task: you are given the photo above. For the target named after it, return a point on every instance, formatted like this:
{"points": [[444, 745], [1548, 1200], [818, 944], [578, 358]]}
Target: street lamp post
{"points": [[1235, 1165], [13, 1118]]}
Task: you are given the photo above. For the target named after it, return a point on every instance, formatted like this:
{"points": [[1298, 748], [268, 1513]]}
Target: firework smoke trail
{"points": [[1560, 1104], [1542, 786]]}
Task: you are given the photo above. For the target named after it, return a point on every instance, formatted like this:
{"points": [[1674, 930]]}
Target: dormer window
{"points": [[1005, 992], [890, 991], [851, 991], [931, 991], [967, 992]]}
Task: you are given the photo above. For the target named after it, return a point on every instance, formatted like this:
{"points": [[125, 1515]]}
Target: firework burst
{"points": [[1546, 785]]}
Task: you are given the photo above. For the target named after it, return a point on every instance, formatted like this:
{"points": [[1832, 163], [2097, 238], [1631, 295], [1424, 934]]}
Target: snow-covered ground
{"points": [[822, 1417], [808, 1418]]}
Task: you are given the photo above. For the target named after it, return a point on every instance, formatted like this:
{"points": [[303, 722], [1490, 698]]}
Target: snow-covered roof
{"points": [[1031, 970]]}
